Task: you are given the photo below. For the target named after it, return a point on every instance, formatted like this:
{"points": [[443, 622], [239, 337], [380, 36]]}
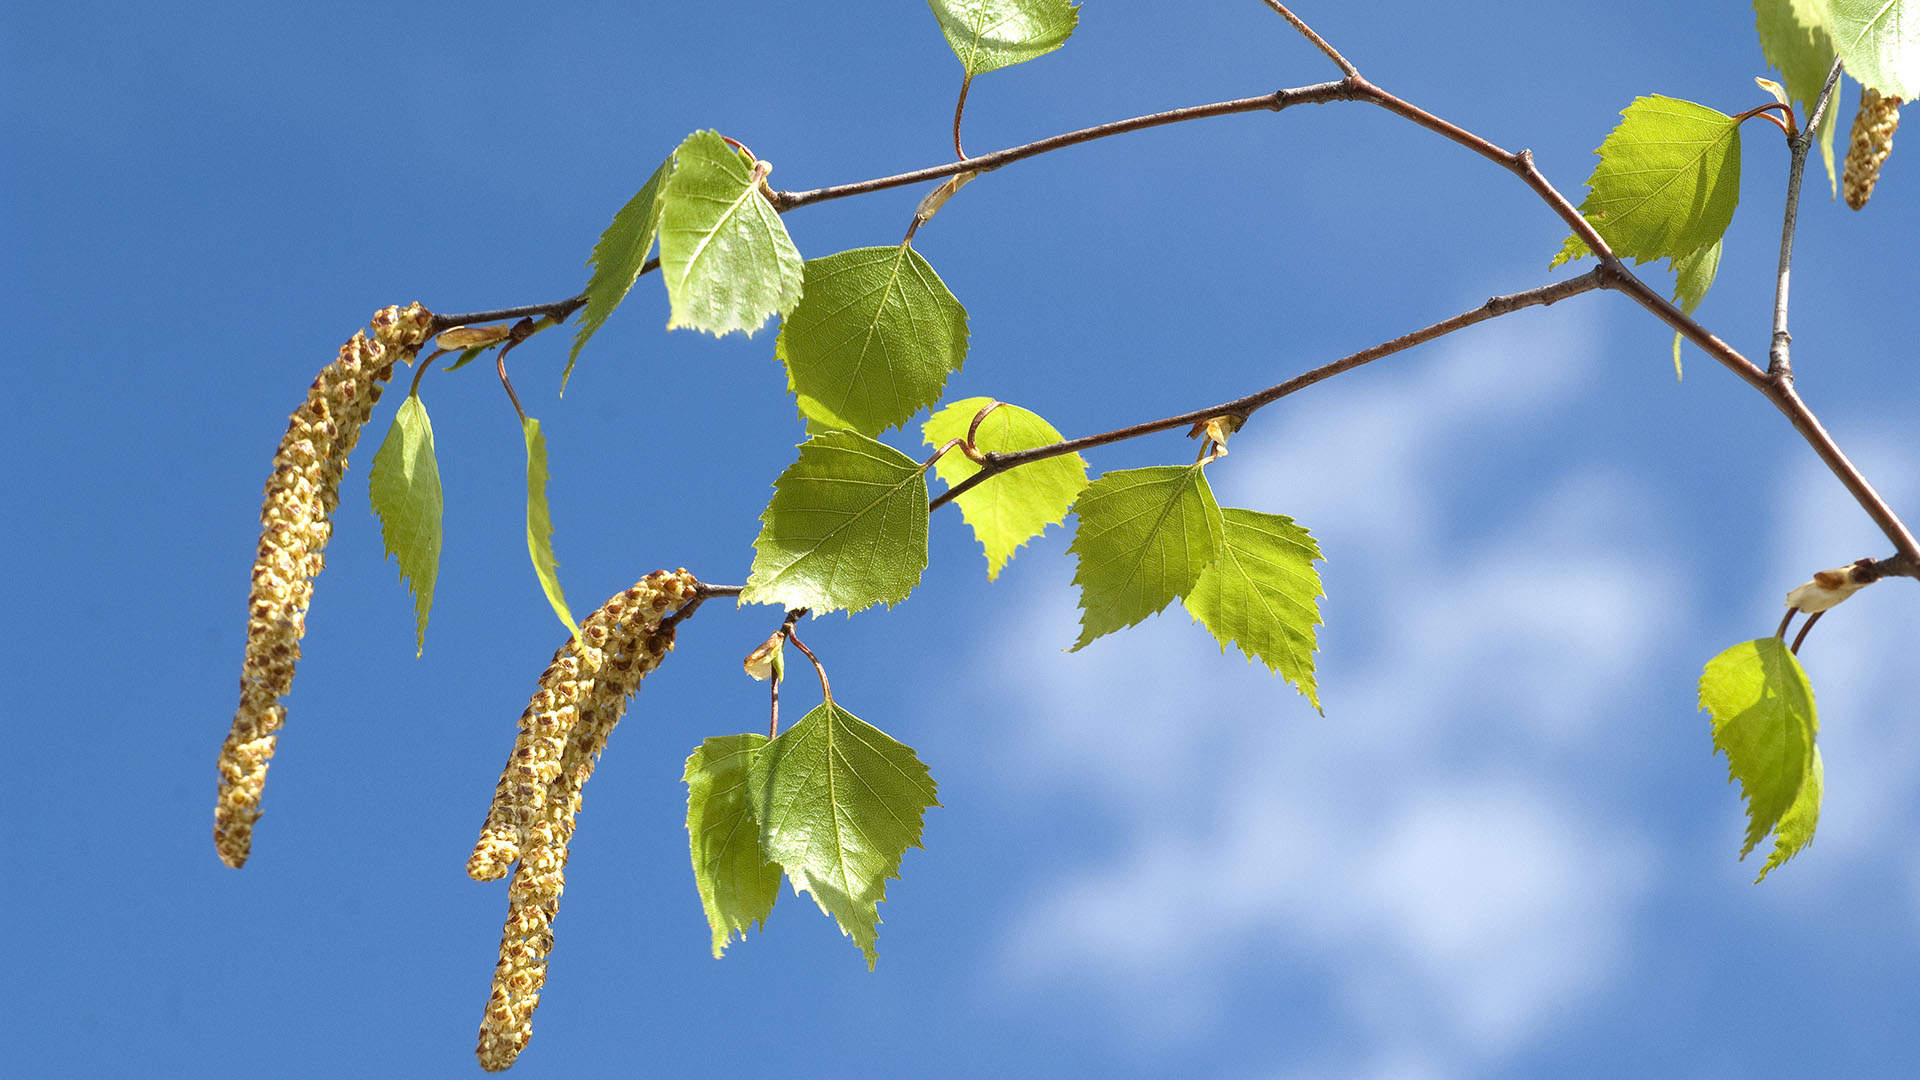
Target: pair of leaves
{"points": [[724, 253], [991, 34], [872, 339], [404, 487], [834, 802], [1666, 188], [1764, 721], [1149, 535]]}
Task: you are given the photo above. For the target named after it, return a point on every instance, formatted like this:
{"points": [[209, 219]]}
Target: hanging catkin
{"points": [[295, 524], [579, 699], [1868, 147]]}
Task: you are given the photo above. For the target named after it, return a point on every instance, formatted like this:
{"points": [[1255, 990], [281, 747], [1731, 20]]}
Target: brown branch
{"points": [[996, 463], [1319, 42], [784, 201]]}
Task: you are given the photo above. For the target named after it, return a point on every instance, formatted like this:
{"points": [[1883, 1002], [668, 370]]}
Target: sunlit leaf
{"points": [[727, 260], [847, 528], [1879, 42], [540, 524], [1764, 721], [1144, 537], [617, 259], [991, 34], [1667, 183], [872, 340], [738, 883], [1013, 507], [839, 802], [404, 487], [1692, 277], [1262, 595], [1794, 39]]}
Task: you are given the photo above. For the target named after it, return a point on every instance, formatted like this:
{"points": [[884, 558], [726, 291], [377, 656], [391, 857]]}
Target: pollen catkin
{"points": [[1871, 142], [632, 643], [295, 524]]}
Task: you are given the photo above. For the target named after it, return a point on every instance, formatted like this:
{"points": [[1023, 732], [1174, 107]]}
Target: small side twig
{"points": [[1319, 42], [1779, 354]]}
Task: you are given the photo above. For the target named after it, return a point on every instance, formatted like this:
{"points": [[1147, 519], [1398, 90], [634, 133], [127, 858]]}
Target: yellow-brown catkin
{"points": [[631, 643], [295, 524], [1871, 142]]}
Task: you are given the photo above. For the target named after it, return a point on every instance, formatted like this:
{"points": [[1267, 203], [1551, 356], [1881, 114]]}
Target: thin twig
{"points": [[1274, 102], [1320, 43], [996, 463], [1779, 354]]}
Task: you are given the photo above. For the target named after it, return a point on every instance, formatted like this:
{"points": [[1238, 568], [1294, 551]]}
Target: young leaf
{"points": [[1794, 39], [991, 34], [737, 882], [726, 257], [1144, 537], [404, 487], [1014, 507], [847, 528], [1879, 42], [1260, 595], [839, 802], [540, 525], [1667, 182], [872, 339], [1692, 277], [617, 259], [1764, 721]]}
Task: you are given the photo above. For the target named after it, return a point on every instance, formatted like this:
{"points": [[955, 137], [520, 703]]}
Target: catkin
{"points": [[583, 693], [1868, 147], [295, 524]]}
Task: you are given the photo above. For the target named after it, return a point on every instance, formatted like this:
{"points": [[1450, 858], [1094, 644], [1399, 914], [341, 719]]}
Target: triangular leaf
{"points": [[738, 883], [1260, 595], [1794, 39], [991, 34], [1009, 509], [1667, 183], [404, 487], [847, 528], [727, 260], [839, 802], [1764, 720], [617, 259], [872, 340], [1879, 42], [540, 525], [1144, 537]]}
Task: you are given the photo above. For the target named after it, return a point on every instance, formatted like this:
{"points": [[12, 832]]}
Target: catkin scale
{"points": [[296, 522], [1869, 145], [579, 699]]}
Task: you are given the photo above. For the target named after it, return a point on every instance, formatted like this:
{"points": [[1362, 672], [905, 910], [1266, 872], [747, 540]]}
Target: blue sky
{"points": [[1504, 850]]}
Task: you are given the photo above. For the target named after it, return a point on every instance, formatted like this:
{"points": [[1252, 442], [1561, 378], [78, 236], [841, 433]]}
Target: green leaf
{"points": [[727, 260], [1014, 507], [617, 259], [1794, 39], [540, 525], [1144, 537], [991, 34], [1692, 277], [1260, 595], [872, 340], [467, 356], [847, 528], [1764, 721], [404, 487], [1879, 42], [1667, 183], [738, 883], [839, 802]]}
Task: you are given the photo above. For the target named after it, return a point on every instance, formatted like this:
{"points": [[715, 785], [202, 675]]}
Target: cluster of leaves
{"points": [[1668, 180], [867, 340]]}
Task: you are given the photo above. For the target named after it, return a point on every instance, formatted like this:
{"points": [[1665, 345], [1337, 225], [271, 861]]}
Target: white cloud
{"points": [[1426, 849]]}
